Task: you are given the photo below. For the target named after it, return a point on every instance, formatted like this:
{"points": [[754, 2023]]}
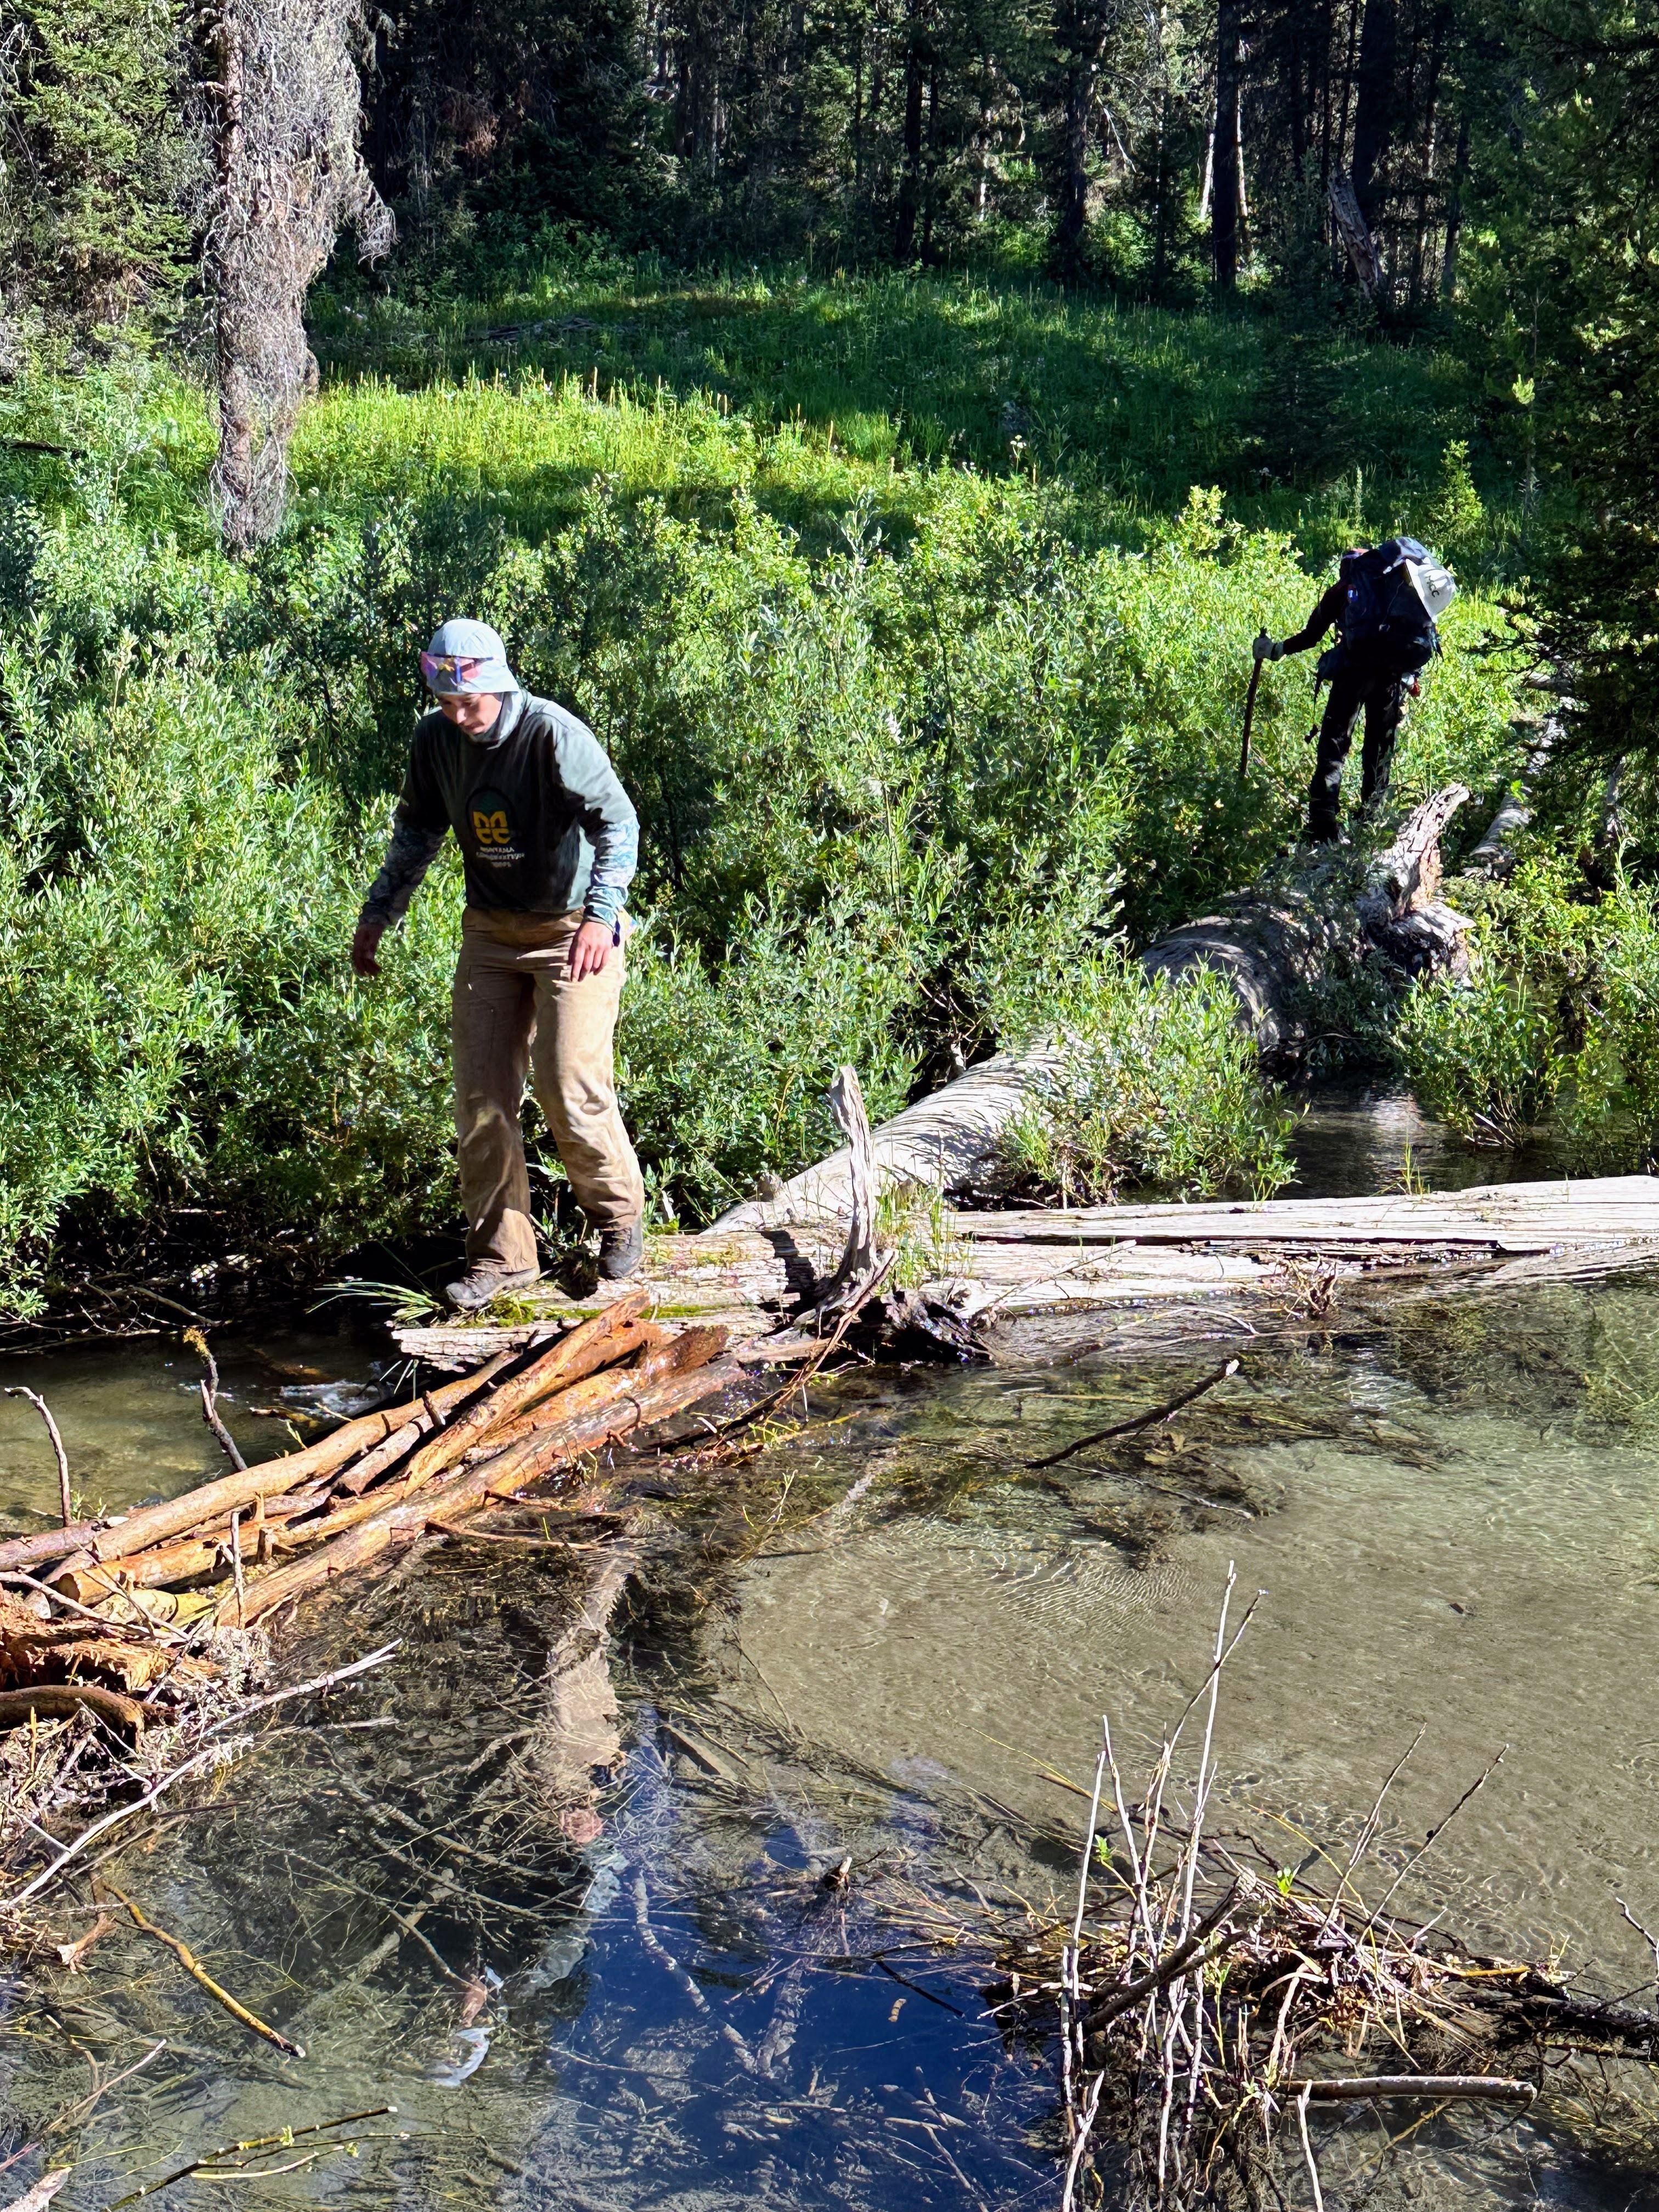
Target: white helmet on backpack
{"points": [[1436, 587]]}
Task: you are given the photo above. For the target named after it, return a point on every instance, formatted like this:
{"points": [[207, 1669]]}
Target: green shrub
{"points": [[1478, 1055], [1560, 1017], [1609, 1090], [1158, 1084]]}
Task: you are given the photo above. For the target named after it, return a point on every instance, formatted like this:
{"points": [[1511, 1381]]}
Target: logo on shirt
{"points": [[491, 822]]}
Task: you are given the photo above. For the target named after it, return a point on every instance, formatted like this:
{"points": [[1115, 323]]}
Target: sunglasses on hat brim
{"points": [[442, 670]]}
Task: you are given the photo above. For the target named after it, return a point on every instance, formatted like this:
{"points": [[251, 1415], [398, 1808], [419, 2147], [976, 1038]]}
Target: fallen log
{"points": [[1437, 2088], [1209, 1262], [609, 1335], [575, 1403], [186, 1558], [594, 1345], [941, 1143], [1495, 854], [400, 1523], [135, 1531], [1516, 1217], [604, 1350], [1276, 944], [1273, 943]]}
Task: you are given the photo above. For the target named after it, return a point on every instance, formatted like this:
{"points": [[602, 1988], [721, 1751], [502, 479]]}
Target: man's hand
{"points": [[1267, 648], [365, 945], [590, 948]]}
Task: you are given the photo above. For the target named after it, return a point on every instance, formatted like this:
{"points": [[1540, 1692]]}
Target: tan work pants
{"points": [[515, 1010]]}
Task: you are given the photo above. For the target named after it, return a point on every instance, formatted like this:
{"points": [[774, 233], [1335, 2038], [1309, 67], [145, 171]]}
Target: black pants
{"points": [[1381, 693]]}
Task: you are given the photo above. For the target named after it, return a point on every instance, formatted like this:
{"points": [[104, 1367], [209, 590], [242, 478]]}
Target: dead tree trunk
{"points": [[283, 102], [916, 58], [1495, 854], [1273, 944], [1351, 230], [1227, 176]]}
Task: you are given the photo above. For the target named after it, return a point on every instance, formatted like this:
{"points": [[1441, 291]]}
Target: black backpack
{"points": [[1383, 615]]}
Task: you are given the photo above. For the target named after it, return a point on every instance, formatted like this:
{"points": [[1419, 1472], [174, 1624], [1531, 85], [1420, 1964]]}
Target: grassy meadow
{"points": [[914, 612]]}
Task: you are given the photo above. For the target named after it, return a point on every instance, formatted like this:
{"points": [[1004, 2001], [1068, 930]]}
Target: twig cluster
{"points": [[1201, 1999]]}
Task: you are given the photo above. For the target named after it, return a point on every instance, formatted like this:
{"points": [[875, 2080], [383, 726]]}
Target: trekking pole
{"points": [[1249, 717]]}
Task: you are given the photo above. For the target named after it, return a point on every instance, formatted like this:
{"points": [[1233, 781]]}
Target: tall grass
{"points": [[879, 382]]}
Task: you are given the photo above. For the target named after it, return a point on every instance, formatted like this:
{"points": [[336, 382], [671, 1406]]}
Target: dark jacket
{"points": [[1325, 616], [543, 824]]}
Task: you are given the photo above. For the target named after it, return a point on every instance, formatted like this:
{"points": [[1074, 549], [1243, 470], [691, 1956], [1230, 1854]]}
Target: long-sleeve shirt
{"points": [[542, 821], [1326, 614]]}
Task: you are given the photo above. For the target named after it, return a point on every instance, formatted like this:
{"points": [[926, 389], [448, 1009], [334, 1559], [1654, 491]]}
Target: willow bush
{"points": [[1159, 1086], [1559, 1019]]}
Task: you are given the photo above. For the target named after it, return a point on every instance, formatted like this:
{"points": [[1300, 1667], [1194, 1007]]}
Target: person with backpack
{"points": [[1383, 606]]}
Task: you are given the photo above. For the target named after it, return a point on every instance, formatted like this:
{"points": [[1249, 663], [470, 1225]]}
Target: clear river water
{"points": [[578, 1917]]}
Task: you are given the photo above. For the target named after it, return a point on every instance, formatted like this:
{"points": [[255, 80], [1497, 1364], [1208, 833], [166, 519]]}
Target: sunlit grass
{"points": [[812, 391]]}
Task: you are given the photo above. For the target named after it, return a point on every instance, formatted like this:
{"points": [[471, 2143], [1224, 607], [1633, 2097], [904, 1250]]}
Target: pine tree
{"points": [[97, 163]]}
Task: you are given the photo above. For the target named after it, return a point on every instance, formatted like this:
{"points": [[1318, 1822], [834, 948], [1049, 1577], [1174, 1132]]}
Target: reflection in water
{"points": [[1352, 1139], [578, 1980], [578, 1745], [564, 1883]]}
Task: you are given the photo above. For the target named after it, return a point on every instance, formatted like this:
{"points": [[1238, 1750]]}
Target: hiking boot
{"points": [[485, 1280], [620, 1251]]}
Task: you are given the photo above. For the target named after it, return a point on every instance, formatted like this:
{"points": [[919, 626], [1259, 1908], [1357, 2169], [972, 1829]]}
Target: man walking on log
{"points": [[1383, 605], [549, 840]]}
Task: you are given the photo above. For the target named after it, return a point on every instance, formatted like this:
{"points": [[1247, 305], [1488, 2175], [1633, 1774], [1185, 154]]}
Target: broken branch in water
{"points": [[56, 1596], [37, 2199], [1206, 1941], [1499, 2088], [1189, 1990], [248, 2148], [198, 1343], [1132, 1427], [199, 1974], [16, 1390]]}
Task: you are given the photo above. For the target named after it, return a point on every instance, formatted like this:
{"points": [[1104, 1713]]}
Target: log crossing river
{"points": [[1219, 1266]]}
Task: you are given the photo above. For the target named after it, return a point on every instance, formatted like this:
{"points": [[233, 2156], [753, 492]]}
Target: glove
{"points": [[1267, 648]]}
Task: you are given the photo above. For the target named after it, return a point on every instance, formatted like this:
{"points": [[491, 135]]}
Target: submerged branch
{"points": [[199, 1974], [1139, 1421]]}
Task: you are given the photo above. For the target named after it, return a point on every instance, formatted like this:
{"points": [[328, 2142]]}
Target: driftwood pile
{"points": [[1201, 1998], [113, 1615]]}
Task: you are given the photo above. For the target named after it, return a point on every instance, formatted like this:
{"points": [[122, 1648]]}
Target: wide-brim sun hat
{"points": [[466, 657]]}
